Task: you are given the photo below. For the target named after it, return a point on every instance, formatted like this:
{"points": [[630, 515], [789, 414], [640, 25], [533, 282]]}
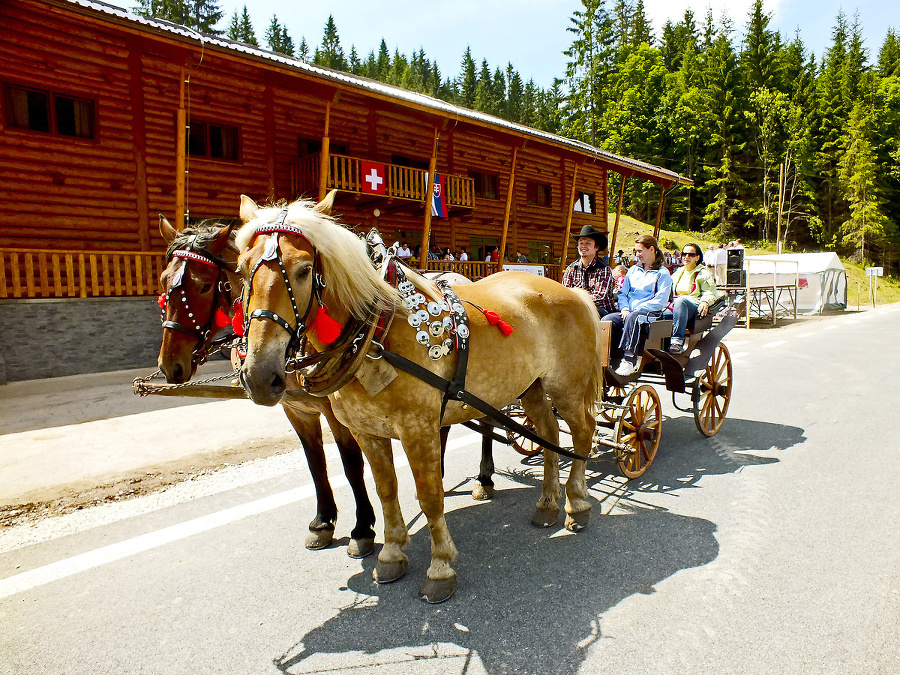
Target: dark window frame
{"points": [[484, 182], [539, 194], [192, 141], [580, 198], [55, 121]]}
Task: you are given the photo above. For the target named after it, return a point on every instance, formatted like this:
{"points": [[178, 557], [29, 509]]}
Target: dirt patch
{"points": [[62, 499]]}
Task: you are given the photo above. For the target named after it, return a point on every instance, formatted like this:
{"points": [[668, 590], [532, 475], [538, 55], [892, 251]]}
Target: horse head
{"points": [[197, 294], [304, 276]]}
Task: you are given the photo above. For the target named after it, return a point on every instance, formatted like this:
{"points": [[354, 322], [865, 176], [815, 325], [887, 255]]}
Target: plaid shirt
{"points": [[596, 279]]}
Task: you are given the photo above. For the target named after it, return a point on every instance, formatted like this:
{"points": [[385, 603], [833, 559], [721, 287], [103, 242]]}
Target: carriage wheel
{"points": [[520, 444], [612, 391], [712, 392], [639, 428]]}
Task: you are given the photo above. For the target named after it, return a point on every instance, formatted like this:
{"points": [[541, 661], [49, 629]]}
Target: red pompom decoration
{"points": [[505, 328], [492, 317], [326, 328], [221, 320], [161, 301], [237, 321]]}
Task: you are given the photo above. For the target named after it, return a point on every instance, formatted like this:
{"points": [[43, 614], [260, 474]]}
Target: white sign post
{"points": [[873, 273]]}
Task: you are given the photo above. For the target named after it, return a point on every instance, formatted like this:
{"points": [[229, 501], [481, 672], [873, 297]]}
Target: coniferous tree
{"points": [[199, 15], [277, 38], [467, 83], [241, 29], [331, 54], [889, 55]]}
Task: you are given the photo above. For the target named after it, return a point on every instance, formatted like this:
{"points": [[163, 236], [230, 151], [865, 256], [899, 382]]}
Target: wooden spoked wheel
{"points": [[611, 393], [639, 428], [712, 392], [520, 444]]}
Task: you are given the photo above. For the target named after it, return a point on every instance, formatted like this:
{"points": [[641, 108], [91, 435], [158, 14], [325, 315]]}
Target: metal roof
{"points": [[628, 166]]}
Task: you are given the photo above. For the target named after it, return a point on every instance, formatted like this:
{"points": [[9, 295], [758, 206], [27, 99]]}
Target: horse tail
{"points": [[594, 390]]}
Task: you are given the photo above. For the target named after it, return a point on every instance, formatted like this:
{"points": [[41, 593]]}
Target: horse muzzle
{"points": [[264, 378]]}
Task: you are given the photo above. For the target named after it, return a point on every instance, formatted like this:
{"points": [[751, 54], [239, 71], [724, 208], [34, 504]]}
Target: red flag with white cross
{"points": [[373, 178]]}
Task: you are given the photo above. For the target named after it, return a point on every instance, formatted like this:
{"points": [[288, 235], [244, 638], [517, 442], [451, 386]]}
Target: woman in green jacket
{"points": [[694, 289]]}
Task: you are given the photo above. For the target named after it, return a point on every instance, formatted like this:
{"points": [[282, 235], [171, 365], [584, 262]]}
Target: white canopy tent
{"points": [[820, 277]]}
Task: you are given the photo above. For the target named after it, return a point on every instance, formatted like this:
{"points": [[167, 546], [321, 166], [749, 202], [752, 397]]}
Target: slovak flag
{"points": [[373, 178], [439, 197]]}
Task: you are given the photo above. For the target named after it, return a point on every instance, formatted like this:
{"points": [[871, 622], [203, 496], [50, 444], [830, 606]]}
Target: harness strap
{"points": [[494, 415]]}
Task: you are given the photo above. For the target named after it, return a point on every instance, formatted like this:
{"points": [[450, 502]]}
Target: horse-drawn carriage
{"points": [[384, 353]]}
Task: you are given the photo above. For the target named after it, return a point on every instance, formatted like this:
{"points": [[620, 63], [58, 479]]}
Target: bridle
{"points": [[273, 252], [221, 300]]}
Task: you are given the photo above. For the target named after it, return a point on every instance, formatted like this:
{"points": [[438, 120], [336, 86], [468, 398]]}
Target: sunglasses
{"points": [[689, 254]]}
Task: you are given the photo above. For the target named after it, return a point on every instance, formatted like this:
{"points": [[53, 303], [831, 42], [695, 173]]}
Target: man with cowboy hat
{"points": [[591, 272]]}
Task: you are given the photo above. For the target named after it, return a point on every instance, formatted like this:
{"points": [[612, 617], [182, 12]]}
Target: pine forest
{"points": [[751, 116]]}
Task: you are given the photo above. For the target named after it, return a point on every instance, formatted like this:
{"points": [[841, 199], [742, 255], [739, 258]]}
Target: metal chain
{"points": [[141, 388]]}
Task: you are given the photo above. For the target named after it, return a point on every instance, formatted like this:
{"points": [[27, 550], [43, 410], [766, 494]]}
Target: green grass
{"points": [[857, 282]]}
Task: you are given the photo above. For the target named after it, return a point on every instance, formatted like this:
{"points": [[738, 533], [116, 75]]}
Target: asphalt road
{"points": [[770, 548]]}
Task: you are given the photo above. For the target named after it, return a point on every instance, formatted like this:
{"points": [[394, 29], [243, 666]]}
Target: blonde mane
{"points": [[348, 272]]}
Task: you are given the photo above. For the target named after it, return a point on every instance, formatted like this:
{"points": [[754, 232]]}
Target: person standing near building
{"points": [[403, 251], [591, 273], [721, 264]]}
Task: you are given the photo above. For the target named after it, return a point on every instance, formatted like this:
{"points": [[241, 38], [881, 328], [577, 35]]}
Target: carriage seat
{"points": [[657, 332]]}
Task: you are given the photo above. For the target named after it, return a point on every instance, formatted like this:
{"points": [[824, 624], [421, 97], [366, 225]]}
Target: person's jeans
{"points": [[683, 312], [627, 332]]}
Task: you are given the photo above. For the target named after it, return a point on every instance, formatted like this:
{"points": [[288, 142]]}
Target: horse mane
{"points": [[345, 265], [205, 233]]}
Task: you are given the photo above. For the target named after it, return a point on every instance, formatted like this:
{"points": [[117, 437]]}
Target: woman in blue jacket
{"points": [[644, 296]]}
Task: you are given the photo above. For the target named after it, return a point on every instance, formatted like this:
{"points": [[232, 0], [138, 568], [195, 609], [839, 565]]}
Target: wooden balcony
{"points": [[402, 183]]}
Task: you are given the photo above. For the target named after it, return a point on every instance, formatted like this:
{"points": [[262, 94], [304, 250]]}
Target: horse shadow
{"points": [[530, 600]]}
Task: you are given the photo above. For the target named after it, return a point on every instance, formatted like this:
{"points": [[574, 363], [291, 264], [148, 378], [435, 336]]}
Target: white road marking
{"points": [[805, 334], [776, 343], [124, 549], [737, 355]]}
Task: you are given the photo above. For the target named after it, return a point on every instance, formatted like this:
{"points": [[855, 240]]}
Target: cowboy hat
{"points": [[598, 237]]}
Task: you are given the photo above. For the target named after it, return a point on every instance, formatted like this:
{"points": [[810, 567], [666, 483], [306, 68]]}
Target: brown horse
{"points": [[297, 260], [199, 282]]}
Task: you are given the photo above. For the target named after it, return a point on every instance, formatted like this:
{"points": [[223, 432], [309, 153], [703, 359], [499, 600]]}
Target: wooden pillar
{"points": [[136, 87], [180, 151], [426, 227], [612, 241], [510, 192], [659, 210], [324, 160], [269, 123], [565, 242]]}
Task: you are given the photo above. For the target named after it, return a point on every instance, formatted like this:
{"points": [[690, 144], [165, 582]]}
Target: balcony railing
{"points": [[37, 273], [401, 182]]}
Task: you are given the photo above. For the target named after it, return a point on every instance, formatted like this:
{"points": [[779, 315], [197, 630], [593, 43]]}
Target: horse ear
{"points": [[166, 230], [220, 241], [248, 209], [326, 204]]}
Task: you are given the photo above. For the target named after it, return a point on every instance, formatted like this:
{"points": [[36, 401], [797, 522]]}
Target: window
{"points": [[306, 147], [401, 160], [584, 202], [540, 252], [214, 141], [485, 184], [479, 247], [49, 112], [538, 194]]}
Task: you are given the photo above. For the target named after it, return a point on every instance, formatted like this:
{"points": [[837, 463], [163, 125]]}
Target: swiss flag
{"points": [[373, 178]]}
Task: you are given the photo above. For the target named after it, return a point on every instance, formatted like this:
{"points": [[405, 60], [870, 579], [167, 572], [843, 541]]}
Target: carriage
{"points": [[320, 322]]}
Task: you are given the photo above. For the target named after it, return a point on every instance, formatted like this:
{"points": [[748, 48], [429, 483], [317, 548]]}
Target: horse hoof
{"points": [[545, 517], [319, 539], [435, 591], [360, 548], [575, 522], [386, 572], [483, 492]]}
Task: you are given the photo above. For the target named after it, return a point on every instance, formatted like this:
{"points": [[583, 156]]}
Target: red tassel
{"points": [[492, 317], [221, 319], [326, 328], [237, 321], [505, 328], [161, 301]]}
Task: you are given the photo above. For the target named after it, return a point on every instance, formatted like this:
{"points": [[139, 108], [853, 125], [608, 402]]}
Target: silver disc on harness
{"points": [[436, 328], [414, 320], [423, 316], [448, 323], [435, 352], [434, 309], [462, 331], [422, 337]]}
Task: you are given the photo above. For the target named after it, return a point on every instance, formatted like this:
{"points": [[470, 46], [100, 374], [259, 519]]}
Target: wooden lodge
{"points": [[109, 119]]}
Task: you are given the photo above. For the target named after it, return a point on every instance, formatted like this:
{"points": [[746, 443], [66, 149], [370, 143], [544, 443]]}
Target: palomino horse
{"points": [[298, 264], [200, 285]]}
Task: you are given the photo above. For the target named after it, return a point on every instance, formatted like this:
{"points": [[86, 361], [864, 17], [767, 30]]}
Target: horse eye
{"points": [[304, 271], [206, 288]]}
